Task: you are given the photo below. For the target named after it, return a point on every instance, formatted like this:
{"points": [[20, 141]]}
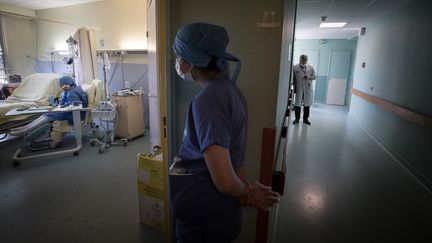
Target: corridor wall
{"points": [[396, 52]]}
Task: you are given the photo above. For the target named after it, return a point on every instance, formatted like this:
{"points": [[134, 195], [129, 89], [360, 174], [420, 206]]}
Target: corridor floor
{"points": [[342, 187]]}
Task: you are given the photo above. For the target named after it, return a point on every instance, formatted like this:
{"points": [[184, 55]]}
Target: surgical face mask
{"points": [[185, 76]]}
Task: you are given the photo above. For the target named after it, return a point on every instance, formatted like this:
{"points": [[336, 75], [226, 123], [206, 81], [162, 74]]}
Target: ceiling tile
{"points": [[357, 14], [341, 5], [33, 5], [43, 4]]}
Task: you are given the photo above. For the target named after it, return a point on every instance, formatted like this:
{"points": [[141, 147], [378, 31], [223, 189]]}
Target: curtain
{"points": [[86, 66], [19, 45]]}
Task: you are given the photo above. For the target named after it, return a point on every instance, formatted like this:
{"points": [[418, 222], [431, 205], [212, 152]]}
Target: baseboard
{"points": [[404, 163]]}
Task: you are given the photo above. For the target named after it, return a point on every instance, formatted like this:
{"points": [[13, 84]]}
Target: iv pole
{"points": [[106, 65], [73, 53]]}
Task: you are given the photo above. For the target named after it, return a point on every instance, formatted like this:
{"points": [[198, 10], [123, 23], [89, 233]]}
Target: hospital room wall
{"points": [[6, 8], [259, 50], [324, 52], [396, 50], [120, 25]]}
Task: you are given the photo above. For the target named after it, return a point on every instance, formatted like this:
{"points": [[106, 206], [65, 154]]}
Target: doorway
{"points": [[332, 61], [153, 90], [339, 70]]}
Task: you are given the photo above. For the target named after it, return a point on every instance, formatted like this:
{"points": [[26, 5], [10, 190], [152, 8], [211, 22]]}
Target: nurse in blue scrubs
{"points": [[208, 179]]}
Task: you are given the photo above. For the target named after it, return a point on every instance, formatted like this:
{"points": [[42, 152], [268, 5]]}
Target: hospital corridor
{"points": [[190, 121], [342, 186]]}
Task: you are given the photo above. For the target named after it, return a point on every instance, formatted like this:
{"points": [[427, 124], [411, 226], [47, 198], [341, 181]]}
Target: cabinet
{"points": [[130, 120]]}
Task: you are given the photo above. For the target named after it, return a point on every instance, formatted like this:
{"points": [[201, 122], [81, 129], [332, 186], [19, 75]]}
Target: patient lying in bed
{"points": [[71, 93], [34, 90]]}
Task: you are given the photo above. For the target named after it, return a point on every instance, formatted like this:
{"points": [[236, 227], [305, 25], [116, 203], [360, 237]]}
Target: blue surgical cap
{"points": [[199, 43], [66, 80]]}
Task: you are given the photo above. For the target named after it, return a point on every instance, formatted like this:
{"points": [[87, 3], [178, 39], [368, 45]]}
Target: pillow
{"points": [[100, 93], [91, 93]]}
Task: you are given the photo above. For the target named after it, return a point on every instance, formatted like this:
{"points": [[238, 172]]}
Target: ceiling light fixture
{"points": [[332, 24]]}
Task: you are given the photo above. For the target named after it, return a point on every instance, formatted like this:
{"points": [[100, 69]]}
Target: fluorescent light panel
{"points": [[332, 24]]}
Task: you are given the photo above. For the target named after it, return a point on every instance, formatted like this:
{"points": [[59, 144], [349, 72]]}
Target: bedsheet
{"points": [[34, 90]]}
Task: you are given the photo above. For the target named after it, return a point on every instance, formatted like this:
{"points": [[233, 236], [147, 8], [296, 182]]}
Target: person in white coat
{"points": [[303, 75]]}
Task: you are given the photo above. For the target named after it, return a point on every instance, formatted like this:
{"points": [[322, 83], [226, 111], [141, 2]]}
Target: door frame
{"points": [[161, 21]]}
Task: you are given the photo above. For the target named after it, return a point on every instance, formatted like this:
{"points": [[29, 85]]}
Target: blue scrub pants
{"points": [[202, 213]]}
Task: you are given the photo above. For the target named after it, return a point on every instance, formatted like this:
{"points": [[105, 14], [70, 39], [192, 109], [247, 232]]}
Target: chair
{"points": [[95, 93]]}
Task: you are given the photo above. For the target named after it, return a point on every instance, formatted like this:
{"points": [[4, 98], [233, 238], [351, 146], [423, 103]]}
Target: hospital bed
{"points": [[95, 92], [33, 91]]}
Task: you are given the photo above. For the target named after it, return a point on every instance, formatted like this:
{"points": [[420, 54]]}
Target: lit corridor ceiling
{"points": [[357, 14]]}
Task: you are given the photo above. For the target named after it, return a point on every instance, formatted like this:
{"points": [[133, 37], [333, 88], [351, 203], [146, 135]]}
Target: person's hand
{"points": [[53, 100], [259, 196]]}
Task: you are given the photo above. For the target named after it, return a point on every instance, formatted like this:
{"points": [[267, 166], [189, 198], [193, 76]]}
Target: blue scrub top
{"points": [[75, 94], [217, 115]]}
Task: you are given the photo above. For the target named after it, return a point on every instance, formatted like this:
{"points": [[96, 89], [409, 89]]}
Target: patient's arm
{"points": [[53, 100], [64, 99]]}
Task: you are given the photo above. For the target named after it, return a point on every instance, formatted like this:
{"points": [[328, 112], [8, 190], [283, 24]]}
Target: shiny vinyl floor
{"points": [[342, 187], [90, 198]]}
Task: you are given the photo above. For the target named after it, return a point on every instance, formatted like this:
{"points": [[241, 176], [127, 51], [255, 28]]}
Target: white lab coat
{"points": [[304, 87]]}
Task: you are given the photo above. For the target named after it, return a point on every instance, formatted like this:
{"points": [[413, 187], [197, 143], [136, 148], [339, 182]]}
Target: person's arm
{"points": [[77, 95], [72, 96], [223, 175], [313, 75], [241, 172], [64, 99], [256, 194]]}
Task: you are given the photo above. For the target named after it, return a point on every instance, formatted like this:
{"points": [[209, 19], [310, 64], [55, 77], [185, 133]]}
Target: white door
{"points": [[339, 66], [153, 76]]}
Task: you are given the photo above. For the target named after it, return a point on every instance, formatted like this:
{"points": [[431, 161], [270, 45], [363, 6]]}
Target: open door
{"points": [[154, 117], [157, 69]]}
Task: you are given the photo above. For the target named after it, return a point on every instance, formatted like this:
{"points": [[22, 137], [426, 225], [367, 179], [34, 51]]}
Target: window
{"points": [[3, 79]]}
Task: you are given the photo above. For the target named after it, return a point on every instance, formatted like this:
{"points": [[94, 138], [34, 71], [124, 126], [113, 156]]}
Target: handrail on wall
{"points": [[411, 116]]}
